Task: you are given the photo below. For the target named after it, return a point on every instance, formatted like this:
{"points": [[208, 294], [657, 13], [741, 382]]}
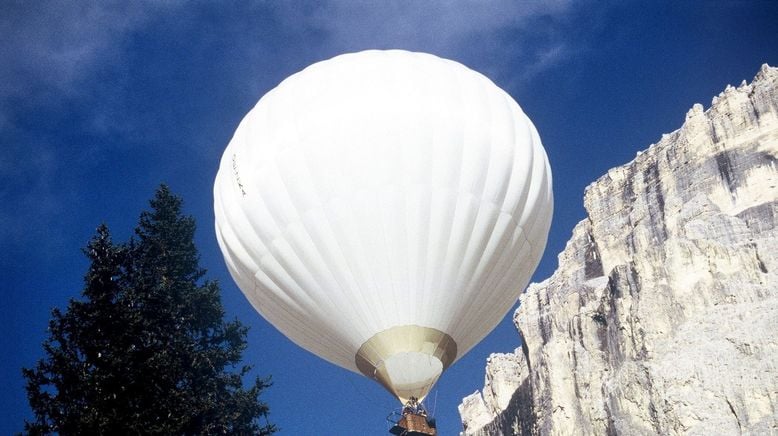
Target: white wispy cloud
{"points": [[52, 46], [436, 24], [53, 49], [51, 52], [491, 34], [58, 53]]}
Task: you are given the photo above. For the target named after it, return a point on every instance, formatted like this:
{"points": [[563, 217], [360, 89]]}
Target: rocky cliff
{"points": [[662, 317]]}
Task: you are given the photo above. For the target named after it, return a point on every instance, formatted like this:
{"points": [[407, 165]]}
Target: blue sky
{"points": [[100, 102]]}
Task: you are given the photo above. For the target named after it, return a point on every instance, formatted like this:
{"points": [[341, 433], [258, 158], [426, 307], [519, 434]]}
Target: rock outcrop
{"points": [[662, 317]]}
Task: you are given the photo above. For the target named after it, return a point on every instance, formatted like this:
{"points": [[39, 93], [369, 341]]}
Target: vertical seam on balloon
{"points": [[513, 295], [326, 262], [294, 250], [514, 156], [512, 108], [449, 257], [476, 191], [358, 279], [470, 269], [280, 230], [300, 327], [270, 294], [423, 257], [513, 275], [312, 294], [490, 313], [362, 301], [486, 276], [454, 191], [369, 273], [490, 145], [385, 252], [506, 282], [269, 244]]}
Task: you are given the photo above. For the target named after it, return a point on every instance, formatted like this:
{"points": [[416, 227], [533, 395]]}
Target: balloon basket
{"points": [[413, 421]]}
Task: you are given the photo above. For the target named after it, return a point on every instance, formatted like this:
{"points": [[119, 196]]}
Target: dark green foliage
{"points": [[146, 350]]}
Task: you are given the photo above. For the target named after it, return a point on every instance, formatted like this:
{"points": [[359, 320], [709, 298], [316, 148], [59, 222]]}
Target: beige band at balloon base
{"points": [[407, 360]]}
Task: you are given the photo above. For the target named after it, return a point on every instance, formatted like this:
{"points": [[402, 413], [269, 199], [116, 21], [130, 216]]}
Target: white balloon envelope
{"points": [[384, 210]]}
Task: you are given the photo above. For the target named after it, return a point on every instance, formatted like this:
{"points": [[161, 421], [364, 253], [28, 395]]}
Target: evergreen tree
{"points": [[146, 350]]}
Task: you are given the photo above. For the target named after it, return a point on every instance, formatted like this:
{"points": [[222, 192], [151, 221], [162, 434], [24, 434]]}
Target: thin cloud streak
{"points": [[464, 30], [53, 51], [53, 46], [60, 54]]}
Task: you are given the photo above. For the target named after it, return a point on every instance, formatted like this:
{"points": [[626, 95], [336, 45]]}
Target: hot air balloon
{"points": [[384, 210]]}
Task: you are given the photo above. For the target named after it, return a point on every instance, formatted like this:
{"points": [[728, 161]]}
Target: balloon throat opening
{"points": [[411, 375], [407, 360]]}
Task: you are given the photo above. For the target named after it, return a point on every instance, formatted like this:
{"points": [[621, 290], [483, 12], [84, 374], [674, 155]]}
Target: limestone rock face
{"points": [[662, 317], [504, 373]]}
